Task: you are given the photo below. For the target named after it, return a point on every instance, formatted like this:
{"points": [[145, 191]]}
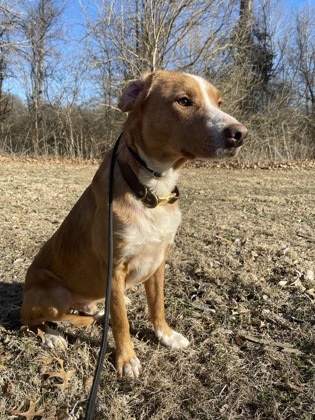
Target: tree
{"points": [[41, 29], [129, 37], [302, 58], [253, 52], [9, 19]]}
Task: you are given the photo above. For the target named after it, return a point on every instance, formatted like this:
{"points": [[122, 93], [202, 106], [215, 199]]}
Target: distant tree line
{"points": [[60, 79]]}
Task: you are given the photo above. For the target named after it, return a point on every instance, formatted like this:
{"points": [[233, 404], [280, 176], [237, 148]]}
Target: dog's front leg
{"points": [[127, 363], [154, 288]]}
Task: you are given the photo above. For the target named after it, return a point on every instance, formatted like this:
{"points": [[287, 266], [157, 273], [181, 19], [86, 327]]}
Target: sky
{"points": [[74, 14], [74, 20], [299, 3]]}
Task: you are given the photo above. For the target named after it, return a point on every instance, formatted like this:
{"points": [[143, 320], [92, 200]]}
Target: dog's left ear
{"points": [[132, 92]]}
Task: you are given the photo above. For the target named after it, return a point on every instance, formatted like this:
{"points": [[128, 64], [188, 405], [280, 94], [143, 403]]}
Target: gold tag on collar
{"points": [[165, 199]]}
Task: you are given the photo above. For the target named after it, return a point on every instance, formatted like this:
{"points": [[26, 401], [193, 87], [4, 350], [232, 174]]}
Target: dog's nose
{"points": [[235, 134]]}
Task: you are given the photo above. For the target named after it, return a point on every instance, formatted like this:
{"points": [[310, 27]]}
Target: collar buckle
{"points": [[168, 199]]}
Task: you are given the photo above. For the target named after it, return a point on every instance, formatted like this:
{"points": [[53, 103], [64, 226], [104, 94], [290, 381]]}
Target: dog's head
{"points": [[176, 115]]}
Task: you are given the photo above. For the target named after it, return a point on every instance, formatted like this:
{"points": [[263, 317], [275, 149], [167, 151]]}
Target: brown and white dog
{"points": [[172, 118]]}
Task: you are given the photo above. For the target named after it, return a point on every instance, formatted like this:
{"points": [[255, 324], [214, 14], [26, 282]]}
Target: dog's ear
{"points": [[134, 90], [130, 94]]}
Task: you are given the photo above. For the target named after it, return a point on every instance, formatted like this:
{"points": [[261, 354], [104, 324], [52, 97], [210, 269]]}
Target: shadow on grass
{"points": [[11, 295]]}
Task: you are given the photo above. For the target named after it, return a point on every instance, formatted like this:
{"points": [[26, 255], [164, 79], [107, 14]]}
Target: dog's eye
{"points": [[184, 102], [220, 104]]}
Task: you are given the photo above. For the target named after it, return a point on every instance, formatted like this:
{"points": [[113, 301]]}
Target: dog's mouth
{"points": [[228, 152], [210, 148], [229, 147]]}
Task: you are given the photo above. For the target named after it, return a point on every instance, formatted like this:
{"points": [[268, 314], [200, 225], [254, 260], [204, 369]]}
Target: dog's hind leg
{"points": [[42, 305], [50, 302]]}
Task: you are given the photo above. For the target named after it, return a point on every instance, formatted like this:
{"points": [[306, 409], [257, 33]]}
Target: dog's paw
{"points": [[174, 341], [130, 368], [55, 340]]}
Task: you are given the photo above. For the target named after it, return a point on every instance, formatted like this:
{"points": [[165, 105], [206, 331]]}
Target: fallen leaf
{"points": [[30, 413], [33, 332], [46, 361], [64, 375]]}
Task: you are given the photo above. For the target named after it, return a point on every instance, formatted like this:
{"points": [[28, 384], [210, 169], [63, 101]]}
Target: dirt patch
{"points": [[239, 285]]}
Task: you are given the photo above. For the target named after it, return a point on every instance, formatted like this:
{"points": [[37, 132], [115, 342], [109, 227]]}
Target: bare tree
{"points": [[298, 79], [133, 36], [267, 76], [302, 57], [41, 29], [9, 19]]}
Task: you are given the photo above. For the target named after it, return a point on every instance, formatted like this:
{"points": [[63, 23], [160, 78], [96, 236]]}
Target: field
{"points": [[239, 285]]}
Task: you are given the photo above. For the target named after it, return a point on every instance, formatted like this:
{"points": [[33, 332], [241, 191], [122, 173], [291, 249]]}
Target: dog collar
{"points": [[143, 163], [142, 192]]}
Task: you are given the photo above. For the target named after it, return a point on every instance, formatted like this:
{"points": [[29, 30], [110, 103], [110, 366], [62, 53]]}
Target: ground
{"points": [[239, 285]]}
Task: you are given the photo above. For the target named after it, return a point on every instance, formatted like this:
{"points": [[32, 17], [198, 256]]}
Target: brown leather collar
{"points": [[142, 192]]}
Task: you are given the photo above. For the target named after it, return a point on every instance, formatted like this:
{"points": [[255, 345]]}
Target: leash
{"points": [[97, 376]]}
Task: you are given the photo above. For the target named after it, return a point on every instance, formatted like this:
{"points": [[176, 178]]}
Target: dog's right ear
{"points": [[136, 89], [130, 95]]}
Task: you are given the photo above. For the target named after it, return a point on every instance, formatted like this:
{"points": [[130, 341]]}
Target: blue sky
{"points": [[74, 14], [299, 3], [74, 20]]}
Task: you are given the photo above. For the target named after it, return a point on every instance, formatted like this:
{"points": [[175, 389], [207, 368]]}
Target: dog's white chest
{"points": [[146, 242]]}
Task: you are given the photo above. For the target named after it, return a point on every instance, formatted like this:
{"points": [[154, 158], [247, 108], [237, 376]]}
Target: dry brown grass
{"points": [[239, 284]]}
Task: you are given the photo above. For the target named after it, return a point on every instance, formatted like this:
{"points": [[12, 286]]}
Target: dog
{"points": [[172, 118]]}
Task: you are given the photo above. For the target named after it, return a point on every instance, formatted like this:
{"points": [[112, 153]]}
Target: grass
{"points": [[240, 267]]}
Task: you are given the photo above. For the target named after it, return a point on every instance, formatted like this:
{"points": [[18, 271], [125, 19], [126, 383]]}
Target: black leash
{"points": [[96, 381]]}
